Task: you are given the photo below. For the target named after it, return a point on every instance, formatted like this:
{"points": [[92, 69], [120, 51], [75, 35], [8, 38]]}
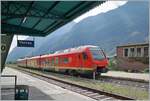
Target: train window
{"points": [[60, 60], [47, 61], [38, 62], [31, 62], [56, 60], [34, 62], [97, 54], [65, 60], [85, 57], [52, 61], [43, 62]]}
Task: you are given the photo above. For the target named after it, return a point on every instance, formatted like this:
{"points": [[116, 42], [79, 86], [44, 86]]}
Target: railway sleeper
{"points": [[93, 94], [89, 92], [108, 98], [100, 97]]}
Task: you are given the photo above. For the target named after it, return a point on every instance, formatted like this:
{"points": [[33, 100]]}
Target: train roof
{"points": [[75, 49], [34, 57], [21, 59], [68, 51]]}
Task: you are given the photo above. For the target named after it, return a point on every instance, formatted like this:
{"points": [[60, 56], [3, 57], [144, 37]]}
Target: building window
{"points": [[145, 51], [138, 52], [131, 52], [126, 52]]}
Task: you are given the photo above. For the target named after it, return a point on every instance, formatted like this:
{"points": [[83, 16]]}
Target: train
{"points": [[87, 59]]}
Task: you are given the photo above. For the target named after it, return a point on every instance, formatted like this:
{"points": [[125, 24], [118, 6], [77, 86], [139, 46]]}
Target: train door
{"points": [[39, 62], [25, 62], [80, 60], [56, 64], [84, 59]]}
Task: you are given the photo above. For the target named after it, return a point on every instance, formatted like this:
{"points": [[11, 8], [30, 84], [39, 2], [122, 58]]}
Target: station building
{"points": [[133, 57]]}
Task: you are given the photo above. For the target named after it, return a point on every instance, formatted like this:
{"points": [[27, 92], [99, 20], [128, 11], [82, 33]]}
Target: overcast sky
{"points": [[107, 6]]}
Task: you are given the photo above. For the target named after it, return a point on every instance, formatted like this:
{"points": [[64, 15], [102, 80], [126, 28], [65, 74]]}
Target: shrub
{"points": [[146, 70], [113, 65]]}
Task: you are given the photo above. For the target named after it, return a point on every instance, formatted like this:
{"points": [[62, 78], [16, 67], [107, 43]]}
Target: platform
{"points": [[139, 76], [41, 90]]}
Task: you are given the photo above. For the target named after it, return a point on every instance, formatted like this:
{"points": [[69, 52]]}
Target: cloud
{"points": [[135, 33], [103, 8], [147, 39], [14, 41]]}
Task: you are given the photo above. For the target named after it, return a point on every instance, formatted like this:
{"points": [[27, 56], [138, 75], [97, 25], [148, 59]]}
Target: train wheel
{"points": [[72, 72], [96, 75]]}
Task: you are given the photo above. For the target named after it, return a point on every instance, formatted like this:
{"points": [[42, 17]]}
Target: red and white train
{"points": [[84, 59]]}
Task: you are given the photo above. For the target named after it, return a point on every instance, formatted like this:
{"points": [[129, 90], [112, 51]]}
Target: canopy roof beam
{"points": [[16, 29], [12, 16], [26, 12], [51, 7], [36, 13]]}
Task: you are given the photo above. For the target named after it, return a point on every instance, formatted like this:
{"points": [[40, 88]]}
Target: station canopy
{"points": [[40, 18]]}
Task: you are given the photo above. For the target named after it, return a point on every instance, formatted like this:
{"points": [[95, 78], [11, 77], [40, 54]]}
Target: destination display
{"points": [[25, 43]]}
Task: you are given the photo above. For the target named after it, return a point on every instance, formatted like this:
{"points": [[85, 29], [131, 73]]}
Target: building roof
{"points": [[134, 44]]}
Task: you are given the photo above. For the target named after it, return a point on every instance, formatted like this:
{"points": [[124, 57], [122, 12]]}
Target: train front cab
{"points": [[99, 59]]}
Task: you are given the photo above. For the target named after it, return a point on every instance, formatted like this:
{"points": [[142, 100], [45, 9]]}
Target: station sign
{"points": [[25, 43]]}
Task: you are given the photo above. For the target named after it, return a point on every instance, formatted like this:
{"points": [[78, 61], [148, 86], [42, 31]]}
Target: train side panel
{"points": [[80, 61]]}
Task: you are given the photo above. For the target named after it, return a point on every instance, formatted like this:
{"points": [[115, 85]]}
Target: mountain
{"points": [[127, 24], [20, 52]]}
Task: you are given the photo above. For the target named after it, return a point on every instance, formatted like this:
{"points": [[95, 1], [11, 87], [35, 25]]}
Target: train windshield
{"points": [[97, 53]]}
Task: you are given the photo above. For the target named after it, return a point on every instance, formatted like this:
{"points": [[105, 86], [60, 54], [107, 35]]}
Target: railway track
{"points": [[92, 93], [125, 82], [137, 83], [140, 84]]}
